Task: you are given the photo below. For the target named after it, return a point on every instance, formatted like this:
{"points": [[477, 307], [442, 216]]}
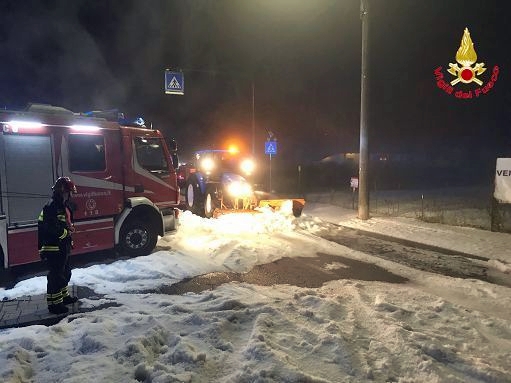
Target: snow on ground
{"points": [[493, 245], [431, 329]]}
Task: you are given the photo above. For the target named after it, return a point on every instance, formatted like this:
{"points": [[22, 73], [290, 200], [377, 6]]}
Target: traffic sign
{"points": [[270, 147], [354, 183], [174, 83]]}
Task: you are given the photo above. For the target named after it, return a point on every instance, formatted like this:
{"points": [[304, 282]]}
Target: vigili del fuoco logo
{"points": [[466, 81]]}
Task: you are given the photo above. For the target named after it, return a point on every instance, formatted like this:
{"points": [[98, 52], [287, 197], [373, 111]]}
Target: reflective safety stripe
{"points": [[54, 299], [48, 248], [64, 234], [64, 292], [60, 217]]}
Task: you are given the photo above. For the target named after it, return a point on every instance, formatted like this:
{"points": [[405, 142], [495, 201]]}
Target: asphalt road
{"points": [[319, 268], [298, 271], [416, 255]]}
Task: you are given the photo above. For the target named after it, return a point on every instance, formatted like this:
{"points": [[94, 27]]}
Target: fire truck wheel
{"points": [[211, 202], [7, 276], [137, 238], [194, 197]]}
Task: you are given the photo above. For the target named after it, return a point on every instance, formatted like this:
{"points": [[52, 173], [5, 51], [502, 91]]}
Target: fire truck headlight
{"points": [[247, 166], [239, 189], [207, 164]]}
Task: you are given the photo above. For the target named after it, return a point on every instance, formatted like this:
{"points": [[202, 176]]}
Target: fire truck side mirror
{"points": [[175, 160], [172, 145]]}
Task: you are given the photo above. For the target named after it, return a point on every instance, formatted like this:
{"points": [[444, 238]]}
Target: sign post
{"points": [[300, 180], [270, 148]]}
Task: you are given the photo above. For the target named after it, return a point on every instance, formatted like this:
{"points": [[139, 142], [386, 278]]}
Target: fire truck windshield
{"points": [[150, 154]]}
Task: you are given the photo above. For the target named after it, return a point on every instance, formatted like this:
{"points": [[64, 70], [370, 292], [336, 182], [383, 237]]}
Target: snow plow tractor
{"points": [[218, 182]]}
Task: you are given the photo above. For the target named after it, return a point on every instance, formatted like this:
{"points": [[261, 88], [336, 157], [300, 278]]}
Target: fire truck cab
{"points": [[127, 187]]}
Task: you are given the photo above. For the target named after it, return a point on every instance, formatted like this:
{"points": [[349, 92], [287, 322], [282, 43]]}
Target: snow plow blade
{"points": [[276, 204], [273, 204]]}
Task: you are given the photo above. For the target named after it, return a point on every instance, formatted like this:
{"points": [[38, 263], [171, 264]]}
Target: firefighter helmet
{"points": [[64, 184]]}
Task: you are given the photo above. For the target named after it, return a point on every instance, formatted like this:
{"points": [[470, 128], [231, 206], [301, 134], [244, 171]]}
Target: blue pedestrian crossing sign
{"points": [[174, 82], [270, 147]]}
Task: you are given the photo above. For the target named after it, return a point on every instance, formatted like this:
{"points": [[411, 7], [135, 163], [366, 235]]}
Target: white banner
{"points": [[503, 180]]}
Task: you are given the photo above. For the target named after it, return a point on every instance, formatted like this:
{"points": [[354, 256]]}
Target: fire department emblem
{"points": [[466, 71], [466, 57], [90, 204]]}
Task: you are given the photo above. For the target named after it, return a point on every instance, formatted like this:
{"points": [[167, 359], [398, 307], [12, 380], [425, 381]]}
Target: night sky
{"points": [[304, 58]]}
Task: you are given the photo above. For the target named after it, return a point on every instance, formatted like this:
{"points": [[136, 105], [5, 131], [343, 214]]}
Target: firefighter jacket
{"points": [[54, 234]]}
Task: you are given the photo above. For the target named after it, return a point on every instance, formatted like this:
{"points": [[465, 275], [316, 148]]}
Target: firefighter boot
{"points": [[55, 305], [58, 309], [66, 298], [69, 300]]}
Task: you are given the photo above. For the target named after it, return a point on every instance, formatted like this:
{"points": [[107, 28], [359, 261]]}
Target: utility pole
{"points": [[253, 117], [363, 191]]}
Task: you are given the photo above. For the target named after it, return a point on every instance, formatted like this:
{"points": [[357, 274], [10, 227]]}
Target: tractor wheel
{"points": [[211, 202], [137, 238], [194, 197]]}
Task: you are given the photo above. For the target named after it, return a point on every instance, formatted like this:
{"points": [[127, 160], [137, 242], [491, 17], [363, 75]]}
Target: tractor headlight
{"points": [[207, 164], [239, 189], [247, 166]]}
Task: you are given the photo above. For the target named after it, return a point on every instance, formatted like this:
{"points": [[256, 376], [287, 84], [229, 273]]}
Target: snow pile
{"points": [[433, 328]]}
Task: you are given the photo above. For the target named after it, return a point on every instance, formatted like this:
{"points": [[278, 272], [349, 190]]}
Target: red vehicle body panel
{"points": [[103, 193]]}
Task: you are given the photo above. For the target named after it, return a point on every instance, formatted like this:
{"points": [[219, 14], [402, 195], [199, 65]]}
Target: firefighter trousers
{"points": [[59, 274]]}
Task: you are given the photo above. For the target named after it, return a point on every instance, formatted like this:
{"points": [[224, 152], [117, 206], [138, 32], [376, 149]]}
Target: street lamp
{"points": [[363, 191]]}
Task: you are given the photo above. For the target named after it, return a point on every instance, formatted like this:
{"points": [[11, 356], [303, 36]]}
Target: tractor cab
{"points": [[213, 163]]}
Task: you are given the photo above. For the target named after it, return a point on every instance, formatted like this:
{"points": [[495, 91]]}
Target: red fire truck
{"points": [[127, 186]]}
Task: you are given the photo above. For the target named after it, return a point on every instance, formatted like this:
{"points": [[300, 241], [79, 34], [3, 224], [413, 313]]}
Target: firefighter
{"points": [[55, 228]]}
